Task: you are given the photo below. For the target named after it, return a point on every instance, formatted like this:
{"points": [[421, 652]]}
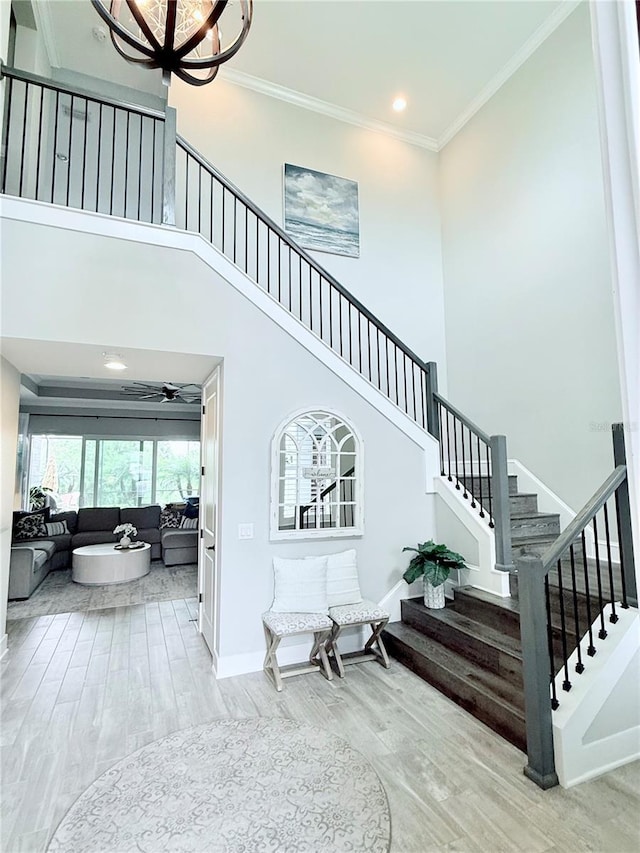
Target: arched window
{"points": [[317, 478]]}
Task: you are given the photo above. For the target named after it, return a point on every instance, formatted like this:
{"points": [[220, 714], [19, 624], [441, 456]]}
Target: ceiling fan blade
{"points": [[149, 396]]}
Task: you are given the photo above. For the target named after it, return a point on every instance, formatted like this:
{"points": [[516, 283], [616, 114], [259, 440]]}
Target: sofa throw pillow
{"points": [[170, 517], [188, 523], [30, 525], [300, 586], [343, 586], [192, 508], [56, 528]]}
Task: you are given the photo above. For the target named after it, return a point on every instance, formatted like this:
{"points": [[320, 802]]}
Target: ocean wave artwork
{"points": [[321, 211]]}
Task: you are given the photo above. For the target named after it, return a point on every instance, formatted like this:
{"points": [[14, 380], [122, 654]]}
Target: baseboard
{"points": [[226, 666], [4, 646]]}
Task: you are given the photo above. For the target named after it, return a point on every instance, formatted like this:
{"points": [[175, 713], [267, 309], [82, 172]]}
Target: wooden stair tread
{"points": [[464, 624], [476, 676]]}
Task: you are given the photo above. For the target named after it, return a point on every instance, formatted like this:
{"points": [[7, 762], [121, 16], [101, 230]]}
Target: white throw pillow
{"points": [[300, 586], [343, 586]]}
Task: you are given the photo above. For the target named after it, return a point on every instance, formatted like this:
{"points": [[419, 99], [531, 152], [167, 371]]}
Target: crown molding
{"points": [[307, 102], [44, 25], [528, 48]]}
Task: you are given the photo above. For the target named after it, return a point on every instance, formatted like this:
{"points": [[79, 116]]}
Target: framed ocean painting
{"points": [[321, 211]]}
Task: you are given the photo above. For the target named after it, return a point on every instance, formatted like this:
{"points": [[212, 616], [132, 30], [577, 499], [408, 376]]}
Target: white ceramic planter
{"points": [[433, 595]]}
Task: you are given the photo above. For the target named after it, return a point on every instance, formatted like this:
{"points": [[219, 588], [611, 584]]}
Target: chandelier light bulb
{"points": [[181, 37], [113, 361]]}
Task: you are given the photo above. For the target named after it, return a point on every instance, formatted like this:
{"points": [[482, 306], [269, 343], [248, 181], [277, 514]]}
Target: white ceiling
{"points": [[81, 366], [445, 56]]}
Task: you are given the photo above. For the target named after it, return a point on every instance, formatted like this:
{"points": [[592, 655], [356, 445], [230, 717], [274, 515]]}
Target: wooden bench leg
{"points": [[319, 648], [332, 648], [376, 631], [271, 668]]}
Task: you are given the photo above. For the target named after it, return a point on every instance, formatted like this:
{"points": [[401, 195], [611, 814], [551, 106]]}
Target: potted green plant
{"points": [[434, 563]]}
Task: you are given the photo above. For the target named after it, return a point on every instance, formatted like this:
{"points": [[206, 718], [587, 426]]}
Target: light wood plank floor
{"points": [[82, 690]]}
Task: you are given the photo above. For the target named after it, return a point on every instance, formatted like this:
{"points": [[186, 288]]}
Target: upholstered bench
{"points": [[279, 625], [356, 615]]}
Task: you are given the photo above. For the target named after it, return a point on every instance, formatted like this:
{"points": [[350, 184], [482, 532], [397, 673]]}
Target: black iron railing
{"points": [[69, 147], [477, 464], [571, 595], [66, 146], [206, 202]]}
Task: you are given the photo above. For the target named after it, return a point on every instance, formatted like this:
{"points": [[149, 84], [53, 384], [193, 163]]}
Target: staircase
{"points": [[471, 652], [531, 531]]}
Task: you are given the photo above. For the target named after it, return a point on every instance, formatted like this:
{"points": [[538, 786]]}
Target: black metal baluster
{"points": [[310, 298], [413, 389], [489, 495], [481, 513], [152, 183], [387, 363], [211, 208], [199, 198], [369, 324], [331, 288], [625, 604], [126, 168], [576, 621], [25, 109], [602, 633], [449, 477], [566, 684], [404, 372], [455, 450], [235, 226], [340, 319], [552, 673], [351, 342], [98, 157], [39, 154], [423, 381], [69, 149], [473, 496], [395, 371], [246, 239], [300, 301], [614, 616], [84, 151], [591, 650], [378, 359], [55, 145], [464, 463], [441, 441], [224, 207], [5, 145], [290, 277], [139, 168], [113, 160]]}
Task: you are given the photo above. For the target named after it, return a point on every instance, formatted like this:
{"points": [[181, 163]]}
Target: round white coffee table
{"points": [[103, 564]]}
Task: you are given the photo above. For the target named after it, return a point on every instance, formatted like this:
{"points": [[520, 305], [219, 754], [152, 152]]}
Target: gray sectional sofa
{"points": [[33, 559]]}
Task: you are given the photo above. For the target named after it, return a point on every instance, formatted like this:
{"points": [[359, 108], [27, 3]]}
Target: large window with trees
{"points": [[86, 471]]}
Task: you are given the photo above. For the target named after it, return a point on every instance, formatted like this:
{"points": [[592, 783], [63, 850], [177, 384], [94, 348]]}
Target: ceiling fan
{"points": [[167, 392]]}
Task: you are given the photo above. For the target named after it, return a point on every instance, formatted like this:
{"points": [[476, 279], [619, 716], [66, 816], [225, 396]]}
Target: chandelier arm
{"points": [[122, 32], [144, 26], [170, 24], [195, 81], [211, 21], [147, 62]]}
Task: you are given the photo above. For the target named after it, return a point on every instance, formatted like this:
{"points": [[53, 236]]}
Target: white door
{"points": [[208, 564]]}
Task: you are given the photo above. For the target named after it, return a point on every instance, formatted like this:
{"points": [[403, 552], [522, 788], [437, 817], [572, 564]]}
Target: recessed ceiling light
{"points": [[113, 361], [399, 104]]}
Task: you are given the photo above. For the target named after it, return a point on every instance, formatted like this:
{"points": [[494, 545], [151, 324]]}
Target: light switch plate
{"points": [[245, 531]]}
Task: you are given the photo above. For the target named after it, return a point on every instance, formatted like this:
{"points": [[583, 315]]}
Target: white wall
{"points": [[80, 283], [531, 349], [9, 403], [398, 276]]}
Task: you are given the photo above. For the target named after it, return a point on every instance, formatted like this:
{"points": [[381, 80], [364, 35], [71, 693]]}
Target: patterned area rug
{"points": [[267, 785], [59, 594]]}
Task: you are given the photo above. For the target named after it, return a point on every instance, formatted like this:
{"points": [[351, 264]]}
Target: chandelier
{"points": [[182, 37]]}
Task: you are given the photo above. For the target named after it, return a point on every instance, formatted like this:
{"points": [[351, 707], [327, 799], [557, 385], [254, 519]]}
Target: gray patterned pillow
{"points": [[30, 526], [170, 517]]}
